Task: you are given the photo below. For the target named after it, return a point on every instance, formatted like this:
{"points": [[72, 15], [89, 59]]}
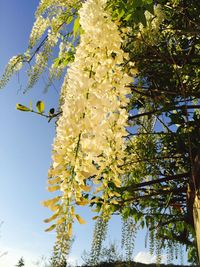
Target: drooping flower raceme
{"points": [[89, 148], [14, 65], [53, 17]]}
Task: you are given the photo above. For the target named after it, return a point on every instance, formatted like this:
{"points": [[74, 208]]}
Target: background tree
{"points": [[20, 263], [109, 254], [162, 188]]}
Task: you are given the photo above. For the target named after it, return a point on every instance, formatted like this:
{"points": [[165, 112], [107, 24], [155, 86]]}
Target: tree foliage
{"points": [[20, 263], [164, 115]]}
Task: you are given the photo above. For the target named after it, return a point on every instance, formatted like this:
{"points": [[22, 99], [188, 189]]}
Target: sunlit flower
{"points": [[89, 136]]}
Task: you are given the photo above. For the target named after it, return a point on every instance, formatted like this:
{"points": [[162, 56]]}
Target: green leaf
{"points": [[31, 105], [150, 8], [56, 62], [136, 3], [51, 111], [141, 17], [121, 14], [69, 57], [76, 26], [79, 219], [53, 217], [69, 19], [50, 228], [128, 17], [148, 1], [40, 106], [22, 107]]}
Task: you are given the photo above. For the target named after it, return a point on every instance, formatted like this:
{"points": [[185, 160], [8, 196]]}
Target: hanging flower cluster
{"points": [[46, 5], [49, 29], [52, 15], [49, 21], [89, 146], [14, 65], [150, 32]]}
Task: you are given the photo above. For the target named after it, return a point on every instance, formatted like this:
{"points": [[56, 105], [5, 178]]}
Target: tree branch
{"points": [[156, 111], [158, 181], [177, 191]]}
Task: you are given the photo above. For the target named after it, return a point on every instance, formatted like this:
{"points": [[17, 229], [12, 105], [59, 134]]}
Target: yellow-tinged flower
{"points": [[89, 145]]}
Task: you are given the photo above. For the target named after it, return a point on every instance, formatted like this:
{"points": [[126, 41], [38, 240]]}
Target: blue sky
{"points": [[25, 147], [25, 156]]}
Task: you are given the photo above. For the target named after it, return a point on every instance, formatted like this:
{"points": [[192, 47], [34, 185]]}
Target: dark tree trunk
{"points": [[196, 216], [196, 201]]}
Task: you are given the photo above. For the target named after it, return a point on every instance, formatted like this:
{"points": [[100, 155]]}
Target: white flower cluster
{"points": [[89, 147], [51, 19], [48, 4], [14, 65], [39, 27], [150, 32], [49, 15], [59, 65]]}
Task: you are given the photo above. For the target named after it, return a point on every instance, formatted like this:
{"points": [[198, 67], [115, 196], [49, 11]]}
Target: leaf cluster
{"points": [[164, 122]]}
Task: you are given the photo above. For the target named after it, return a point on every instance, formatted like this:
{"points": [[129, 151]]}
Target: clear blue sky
{"points": [[25, 155]]}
